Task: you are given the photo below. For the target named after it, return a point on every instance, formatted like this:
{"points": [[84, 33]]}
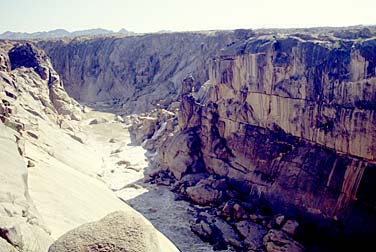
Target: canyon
{"points": [[254, 140]]}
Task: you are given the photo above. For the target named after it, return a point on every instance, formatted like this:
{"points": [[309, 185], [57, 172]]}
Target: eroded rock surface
{"points": [[282, 123], [21, 225], [289, 119], [135, 73], [119, 231], [49, 160], [29, 89], [277, 117], [29, 56]]}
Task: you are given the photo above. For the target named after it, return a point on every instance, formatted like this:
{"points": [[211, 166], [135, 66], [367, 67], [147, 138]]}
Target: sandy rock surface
{"points": [[51, 158], [118, 231]]}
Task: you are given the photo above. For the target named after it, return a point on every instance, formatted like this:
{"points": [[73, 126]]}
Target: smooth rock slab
{"points": [[5, 246]]}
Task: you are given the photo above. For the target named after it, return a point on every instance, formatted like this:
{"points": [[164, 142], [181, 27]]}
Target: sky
{"points": [[181, 15]]}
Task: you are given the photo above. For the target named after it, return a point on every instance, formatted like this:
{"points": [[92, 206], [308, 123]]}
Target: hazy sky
{"points": [[181, 15]]}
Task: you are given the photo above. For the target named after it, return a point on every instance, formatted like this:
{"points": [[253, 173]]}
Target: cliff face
{"points": [[136, 72], [293, 121], [289, 119]]}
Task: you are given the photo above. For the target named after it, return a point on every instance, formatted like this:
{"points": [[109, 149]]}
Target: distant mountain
{"points": [[91, 32], [123, 31], [60, 33], [165, 31], [126, 32]]}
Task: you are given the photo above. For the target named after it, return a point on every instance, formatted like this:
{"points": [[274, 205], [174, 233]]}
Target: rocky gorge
{"points": [[51, 166], [289, 120], [265, 137]]}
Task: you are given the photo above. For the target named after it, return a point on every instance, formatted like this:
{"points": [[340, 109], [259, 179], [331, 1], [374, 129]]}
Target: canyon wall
{"points": [[291, 119], [136, 72], [283, 116]]}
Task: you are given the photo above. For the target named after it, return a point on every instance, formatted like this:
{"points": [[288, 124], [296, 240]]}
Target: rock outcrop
{"points": [[279, 114], [21, 226], [48, 171], [291, 120], [119, 231], [29, 89], [288, 120], [29, 56], [135, 73]]}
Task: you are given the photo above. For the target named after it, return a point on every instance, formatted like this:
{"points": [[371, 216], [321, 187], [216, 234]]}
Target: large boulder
{"points": [[210, 191], [153, 129], [118, 231], [204, 194], [252, 233], [216, 231], [143, 128], [279, 241], [181, 154]]}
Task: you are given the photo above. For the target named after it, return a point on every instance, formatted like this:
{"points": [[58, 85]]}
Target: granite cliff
{"points": [[288, 119], [290, 96]]}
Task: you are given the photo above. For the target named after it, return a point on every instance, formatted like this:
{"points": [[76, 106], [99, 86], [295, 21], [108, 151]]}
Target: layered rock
{"points": [[288, 120], [292, 120], [135, 73]]}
